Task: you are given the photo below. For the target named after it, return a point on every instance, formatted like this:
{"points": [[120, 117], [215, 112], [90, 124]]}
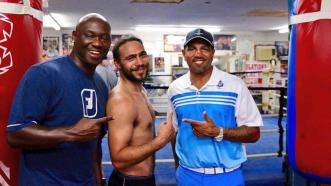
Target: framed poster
{"points": [[173, 43], [159, 64], [150, 63], [255, 78], [114, 39], [67, 44], [264, 52], [50, 47], [224, 42], [281, 48]]}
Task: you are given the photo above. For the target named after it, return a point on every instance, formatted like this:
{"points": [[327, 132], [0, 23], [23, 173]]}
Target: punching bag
{"points": [[309, 89], [20, 42]]}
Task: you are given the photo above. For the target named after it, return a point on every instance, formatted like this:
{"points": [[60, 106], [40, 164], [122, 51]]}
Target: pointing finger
{"points": [[192, 122], [207, 118], [104, 119]]}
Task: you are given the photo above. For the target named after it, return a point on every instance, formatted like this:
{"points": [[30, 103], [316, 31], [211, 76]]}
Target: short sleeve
{"points": [[30, 102], [247, 112]]}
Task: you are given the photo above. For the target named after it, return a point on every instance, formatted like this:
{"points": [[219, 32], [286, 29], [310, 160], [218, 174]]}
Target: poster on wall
{"points": [[159, 64], [225, 42], [67, 44], [114, 39], [255, 77], [281, 49], [173, 43], [150, 63], [50, 47]]}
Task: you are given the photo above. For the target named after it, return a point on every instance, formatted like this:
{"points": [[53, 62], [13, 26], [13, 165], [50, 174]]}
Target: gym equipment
{"points": [[20, 42], [309, 88]]}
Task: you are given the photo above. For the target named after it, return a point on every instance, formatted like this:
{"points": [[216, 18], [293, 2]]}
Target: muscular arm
{"points": [[97, 166], [37, 136], [123, 153]]}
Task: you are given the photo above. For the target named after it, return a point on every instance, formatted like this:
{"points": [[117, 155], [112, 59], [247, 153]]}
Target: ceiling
{"points": [[231, 15]]}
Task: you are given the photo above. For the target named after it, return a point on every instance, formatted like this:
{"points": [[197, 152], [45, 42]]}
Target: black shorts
{"points": [[119, 179]]}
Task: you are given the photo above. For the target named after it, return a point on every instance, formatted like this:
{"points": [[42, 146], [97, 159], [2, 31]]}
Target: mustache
{"points": [[136, 67], [198, 59]]}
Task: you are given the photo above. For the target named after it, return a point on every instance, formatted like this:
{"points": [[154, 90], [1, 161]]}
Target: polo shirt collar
{"points": [[213, 80]]}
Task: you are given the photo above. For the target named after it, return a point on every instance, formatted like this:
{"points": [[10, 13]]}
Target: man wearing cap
{"points": [[215, 115]]}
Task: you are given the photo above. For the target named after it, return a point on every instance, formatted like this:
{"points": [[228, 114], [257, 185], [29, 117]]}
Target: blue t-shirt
{"points": [[57, 94]]}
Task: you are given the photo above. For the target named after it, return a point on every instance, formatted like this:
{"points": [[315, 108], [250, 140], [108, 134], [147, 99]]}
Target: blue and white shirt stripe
{"points": [[229, 105]]}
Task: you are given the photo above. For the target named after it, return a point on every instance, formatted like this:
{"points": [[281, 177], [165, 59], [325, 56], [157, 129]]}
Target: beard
{"points": [[129, 73]]}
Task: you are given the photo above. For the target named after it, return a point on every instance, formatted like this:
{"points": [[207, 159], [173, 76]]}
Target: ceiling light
{"points": [[63, 20], [49, 21], [157, 1], [282, 29], [175, 28]]}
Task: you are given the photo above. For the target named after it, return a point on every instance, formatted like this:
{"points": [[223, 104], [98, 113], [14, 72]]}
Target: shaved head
{"points": [[90, 16], [91, 41]]}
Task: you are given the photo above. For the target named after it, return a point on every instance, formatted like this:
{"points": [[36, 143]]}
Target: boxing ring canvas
{"points": [[309, 123]]}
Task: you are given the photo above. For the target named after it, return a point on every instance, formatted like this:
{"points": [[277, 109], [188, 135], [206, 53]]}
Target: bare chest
{"points": [[145, 115]]}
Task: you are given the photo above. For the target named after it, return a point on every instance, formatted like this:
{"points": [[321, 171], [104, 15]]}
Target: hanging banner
{"points": [[20, 40], [309, 89]]}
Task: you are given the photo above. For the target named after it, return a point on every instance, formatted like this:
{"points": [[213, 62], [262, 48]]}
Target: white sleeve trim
{"points": [[18, 124]]}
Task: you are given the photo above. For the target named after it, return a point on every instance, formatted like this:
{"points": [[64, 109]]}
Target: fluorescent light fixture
{"points": [[64, 20], [49, 21], [175, 28], [282, 29]]}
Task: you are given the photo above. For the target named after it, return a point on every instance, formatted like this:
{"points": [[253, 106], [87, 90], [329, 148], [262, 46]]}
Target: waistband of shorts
{"points": [[213, 170], [128, 177]]}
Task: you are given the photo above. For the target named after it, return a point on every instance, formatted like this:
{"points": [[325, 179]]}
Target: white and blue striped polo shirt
{"points": [[228, 102]]}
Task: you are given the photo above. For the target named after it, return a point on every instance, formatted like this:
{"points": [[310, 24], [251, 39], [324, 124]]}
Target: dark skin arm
{"points": [[98, 171], [207, 128], [40, 137]]}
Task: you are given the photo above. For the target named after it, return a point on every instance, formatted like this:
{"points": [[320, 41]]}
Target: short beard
{"points": [[128, 75]]}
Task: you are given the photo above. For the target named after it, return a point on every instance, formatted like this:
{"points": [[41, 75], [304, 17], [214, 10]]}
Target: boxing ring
{"points": [[268, 150]]}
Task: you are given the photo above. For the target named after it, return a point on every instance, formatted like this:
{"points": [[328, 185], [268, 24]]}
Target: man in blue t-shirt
{"points": [[58, 112]]}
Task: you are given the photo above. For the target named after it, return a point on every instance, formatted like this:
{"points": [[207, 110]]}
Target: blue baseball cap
{"points": [[199, 33]]}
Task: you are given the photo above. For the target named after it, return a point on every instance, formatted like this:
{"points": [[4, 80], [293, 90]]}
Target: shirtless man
{"points": [[131, 138]]}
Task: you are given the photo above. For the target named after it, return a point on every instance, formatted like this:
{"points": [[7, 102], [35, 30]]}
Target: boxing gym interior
{"points": [[279, 48]]}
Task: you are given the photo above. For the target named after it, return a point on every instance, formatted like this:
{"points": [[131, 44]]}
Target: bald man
{"points": [[58, 112]]}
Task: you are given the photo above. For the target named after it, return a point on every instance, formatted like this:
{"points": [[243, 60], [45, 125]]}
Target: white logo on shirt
{"points": [[89, 101]]}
